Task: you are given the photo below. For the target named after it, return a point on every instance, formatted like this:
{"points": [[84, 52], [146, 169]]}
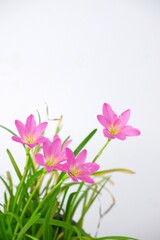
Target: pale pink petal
{"points": [[107, 134], [81, 157], [64, 167], [86, 178], [40, 140], [60, 167], [21, 128], [39, 129], [30, 123], [89, 168], [130, 131], [39, 159], [125, 117], [56, 137], [49, 168], [120, 136], [61, 157], [55, 147], [103, 121], [70, 156], [108, 113], [46, 146], [118, 123], [17, 139]]}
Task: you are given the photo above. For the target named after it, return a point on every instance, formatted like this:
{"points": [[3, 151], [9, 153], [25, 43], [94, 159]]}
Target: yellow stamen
{"points": [[75, 171], [51, 161], [29, 139], [114, 130]]}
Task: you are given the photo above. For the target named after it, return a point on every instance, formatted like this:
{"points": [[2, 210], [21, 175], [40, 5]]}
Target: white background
{"points": [[76, 55]]}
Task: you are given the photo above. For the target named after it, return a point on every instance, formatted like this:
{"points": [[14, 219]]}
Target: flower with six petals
{"points": [[76, 167], [115, 126], [30, 134], [53, 155]]}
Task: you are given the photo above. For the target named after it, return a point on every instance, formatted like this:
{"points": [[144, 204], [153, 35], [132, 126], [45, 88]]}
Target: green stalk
{"points": [[21, 185], [27, 204], [100, 152], [40, 204]]}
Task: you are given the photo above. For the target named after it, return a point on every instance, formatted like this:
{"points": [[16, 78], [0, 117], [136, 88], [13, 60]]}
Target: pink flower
{"points": [[77, 169], [52, 155], [30, 134], [115, 126]]}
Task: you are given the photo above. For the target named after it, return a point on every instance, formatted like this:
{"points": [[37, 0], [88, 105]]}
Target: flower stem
{"points": [[27, 204], [100, 152], [21, 186]]}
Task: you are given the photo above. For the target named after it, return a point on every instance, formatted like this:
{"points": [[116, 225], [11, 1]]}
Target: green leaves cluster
{"points": [[42, 206]]}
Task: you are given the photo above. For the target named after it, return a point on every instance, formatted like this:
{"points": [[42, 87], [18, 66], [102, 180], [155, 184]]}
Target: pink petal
{"points": [[21, 128], [70, 156], [81, 157], [55, 148], [56, 137], [46, 146], [40, 140], [39, 129], [39, 159], [130, 131], [120, 136], [61, 157], [49, 168], [103, 121], [117, 123], [125, 117], [59, 167], [86, 178], [64, 167], [108, 113], [89, 168], [17, 139], [30, 123]]}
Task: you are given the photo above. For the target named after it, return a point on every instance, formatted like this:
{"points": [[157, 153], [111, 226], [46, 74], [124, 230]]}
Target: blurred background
{"points": [[74, 56]]}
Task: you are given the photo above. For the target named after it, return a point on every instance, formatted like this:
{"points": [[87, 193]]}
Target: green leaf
{"points": [[46, 227], [15, 217], [84, 142], [31, 237], [39, 117], [8, 130], [3, 229], [121, 170], [7, 186], [27, 226], [14, 165], [115, 238], [31, 180], [66, 226], [65, 140]]}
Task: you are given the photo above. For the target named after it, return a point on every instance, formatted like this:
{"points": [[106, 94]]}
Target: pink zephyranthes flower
{"points": [[53, 155], [115, 126], [77, 169], [30, 134]]}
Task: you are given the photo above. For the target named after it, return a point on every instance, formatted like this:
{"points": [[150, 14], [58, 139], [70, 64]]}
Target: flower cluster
{"points": [[33, 212], [57, 156]]}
